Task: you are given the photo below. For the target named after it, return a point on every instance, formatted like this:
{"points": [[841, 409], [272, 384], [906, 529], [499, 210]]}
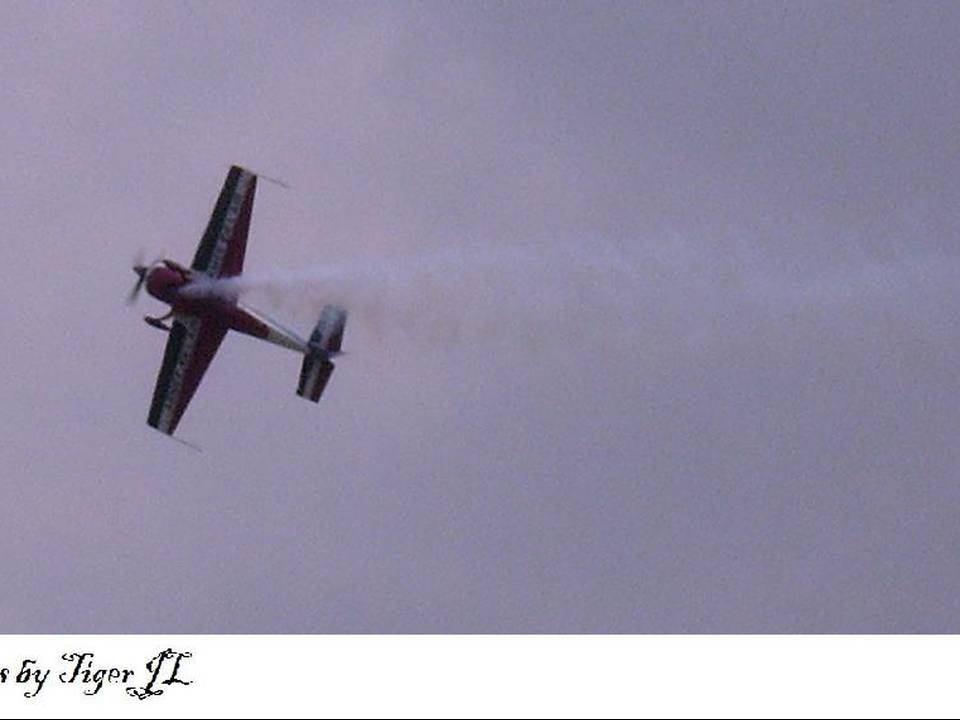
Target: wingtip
{"points": [[276, 181]]}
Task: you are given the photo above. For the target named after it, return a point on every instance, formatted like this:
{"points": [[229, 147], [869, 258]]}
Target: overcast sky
{"points": [[655, 318]]}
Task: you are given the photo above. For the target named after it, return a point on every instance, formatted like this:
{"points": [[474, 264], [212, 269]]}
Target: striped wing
{"points": [[190, 348], [224, 244]]}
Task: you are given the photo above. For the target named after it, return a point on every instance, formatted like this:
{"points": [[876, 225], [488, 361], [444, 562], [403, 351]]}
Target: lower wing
{"points": [[190, 348]]}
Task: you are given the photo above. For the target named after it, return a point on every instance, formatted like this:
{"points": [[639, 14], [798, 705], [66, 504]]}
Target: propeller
{"points": [[141, 270]]}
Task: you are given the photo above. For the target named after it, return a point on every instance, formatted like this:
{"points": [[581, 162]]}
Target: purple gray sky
{"points": [[655, 317]]}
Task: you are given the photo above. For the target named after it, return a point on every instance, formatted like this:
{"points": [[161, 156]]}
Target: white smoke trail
{"points": [[454, 297], [674, 298]]}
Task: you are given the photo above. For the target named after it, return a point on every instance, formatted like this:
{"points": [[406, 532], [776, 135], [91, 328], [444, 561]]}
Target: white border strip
{"points": [[505, 676]]}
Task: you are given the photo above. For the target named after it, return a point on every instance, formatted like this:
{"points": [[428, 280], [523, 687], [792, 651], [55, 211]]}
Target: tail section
{"points": [[325, 342], [314, 377], [328, 334]]}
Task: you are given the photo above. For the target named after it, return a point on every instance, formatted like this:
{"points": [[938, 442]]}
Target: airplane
{"points": [[200, 320]]}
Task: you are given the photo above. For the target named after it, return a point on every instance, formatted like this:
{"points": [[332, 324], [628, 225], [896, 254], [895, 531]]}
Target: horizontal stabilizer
{"points": [[325, 342], [328, 334], [314, 376]]}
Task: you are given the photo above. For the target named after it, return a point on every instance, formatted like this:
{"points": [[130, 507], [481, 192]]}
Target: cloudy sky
{"points": [[655, 318]]}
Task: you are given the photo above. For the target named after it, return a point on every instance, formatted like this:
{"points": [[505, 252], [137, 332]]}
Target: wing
{"points": [[221, 250], [192, 344]]}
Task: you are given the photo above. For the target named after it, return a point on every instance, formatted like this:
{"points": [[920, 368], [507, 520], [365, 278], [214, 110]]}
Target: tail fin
{"points": [[324, 343]]}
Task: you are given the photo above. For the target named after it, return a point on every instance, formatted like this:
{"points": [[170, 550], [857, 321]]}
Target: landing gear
{"points": [[158, 322]]}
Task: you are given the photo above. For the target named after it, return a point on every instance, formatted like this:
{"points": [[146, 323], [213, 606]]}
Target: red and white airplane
{"points": [[201, 319]]}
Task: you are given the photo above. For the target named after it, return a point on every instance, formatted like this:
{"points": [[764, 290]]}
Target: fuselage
{"points": [[178, 287]]}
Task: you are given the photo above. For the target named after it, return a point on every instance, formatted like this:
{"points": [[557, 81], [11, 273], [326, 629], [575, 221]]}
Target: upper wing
{"points": [[221, 251], [192, 344]]}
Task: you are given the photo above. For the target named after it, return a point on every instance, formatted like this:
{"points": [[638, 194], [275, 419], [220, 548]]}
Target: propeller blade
{"points": [[141, 271]]}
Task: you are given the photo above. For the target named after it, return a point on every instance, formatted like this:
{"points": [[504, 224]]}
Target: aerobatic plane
{"points": [[199, 319]]}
